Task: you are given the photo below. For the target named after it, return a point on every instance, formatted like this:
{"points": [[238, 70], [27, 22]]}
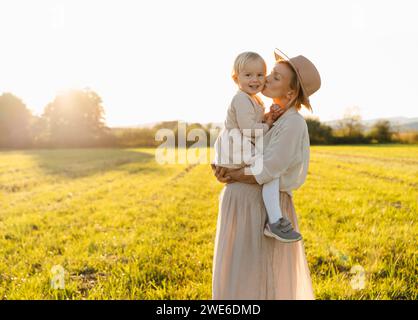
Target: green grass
{"points": [[124, 227]]}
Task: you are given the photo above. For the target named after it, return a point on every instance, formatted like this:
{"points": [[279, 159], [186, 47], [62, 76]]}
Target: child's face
{"points": [[252, 77]]}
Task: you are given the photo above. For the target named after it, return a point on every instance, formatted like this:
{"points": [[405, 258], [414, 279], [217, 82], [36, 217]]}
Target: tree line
{"points": [[75, 118]]}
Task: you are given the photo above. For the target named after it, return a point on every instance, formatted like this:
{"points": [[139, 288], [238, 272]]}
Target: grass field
{"points": [[124, 227]]}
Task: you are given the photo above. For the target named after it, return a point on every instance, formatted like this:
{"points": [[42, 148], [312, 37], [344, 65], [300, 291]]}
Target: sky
{"points": [[163, 60]]}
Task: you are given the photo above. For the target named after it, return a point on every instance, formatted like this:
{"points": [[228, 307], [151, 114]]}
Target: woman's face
{"points": [[278, 83]]}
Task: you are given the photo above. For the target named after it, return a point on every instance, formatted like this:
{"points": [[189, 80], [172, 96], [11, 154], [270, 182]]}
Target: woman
{"points": [[246, 263]]}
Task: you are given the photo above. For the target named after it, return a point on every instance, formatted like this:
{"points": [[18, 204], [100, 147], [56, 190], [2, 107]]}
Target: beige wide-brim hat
{"points": [[307, 73]]}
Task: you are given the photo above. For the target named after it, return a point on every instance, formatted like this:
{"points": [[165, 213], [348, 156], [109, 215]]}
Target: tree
{"points": [[75, 118], [351, 126], [350, 129], [381, 131], [38, 132], [318, 133], [14, 122]]}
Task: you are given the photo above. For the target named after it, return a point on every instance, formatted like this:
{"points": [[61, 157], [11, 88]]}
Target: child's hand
{"points": [[276, 111], [274, 108], [268, 118]]}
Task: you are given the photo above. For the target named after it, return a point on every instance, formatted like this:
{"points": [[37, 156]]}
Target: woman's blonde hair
{"points": [[296, 85], [242, 59]]}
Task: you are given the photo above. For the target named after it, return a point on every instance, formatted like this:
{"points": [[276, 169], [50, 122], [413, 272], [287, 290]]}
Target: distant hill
{"points": [[398, 123], [413, 126]]}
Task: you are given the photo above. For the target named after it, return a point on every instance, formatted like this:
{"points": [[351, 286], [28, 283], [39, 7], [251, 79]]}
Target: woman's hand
{"points": [[238, 175], [226, 175], [220, 172]]}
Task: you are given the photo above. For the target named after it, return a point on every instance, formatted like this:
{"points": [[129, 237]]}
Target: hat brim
{"points": [[281, 56]]}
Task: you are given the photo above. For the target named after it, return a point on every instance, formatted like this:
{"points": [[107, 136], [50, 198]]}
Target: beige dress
{"points": [[247, 264]]}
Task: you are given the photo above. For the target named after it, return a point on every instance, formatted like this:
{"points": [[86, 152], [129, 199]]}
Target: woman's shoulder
{"points": [[295, 118], [293, 122], [298, 118]]}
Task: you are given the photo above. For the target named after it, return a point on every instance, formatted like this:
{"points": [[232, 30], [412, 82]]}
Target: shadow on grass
{"points": [[79, 163]]}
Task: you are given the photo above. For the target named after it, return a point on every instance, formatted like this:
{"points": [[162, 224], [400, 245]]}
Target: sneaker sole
{"points": [[275, 236]]}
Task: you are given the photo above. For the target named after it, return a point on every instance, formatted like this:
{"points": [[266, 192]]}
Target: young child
{"points": [[244, 123]]}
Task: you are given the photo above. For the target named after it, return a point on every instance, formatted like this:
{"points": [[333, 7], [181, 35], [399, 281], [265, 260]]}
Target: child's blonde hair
{"points": [[242, 59]]}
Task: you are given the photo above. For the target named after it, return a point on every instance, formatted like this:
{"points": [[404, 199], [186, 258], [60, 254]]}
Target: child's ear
{"points": [[235, 78]]}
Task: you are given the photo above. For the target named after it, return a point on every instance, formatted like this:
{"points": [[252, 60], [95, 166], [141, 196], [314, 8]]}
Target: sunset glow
{"points": [[165, 60]]}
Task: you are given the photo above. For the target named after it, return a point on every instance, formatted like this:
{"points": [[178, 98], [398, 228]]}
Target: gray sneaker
{"points": [[282, 230]]}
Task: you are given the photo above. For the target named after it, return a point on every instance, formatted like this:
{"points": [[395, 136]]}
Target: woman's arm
{"points": [[226, 175], [240, 176], [282, 151]]}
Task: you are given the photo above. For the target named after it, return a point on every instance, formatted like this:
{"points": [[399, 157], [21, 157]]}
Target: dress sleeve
{"points": [[282, 151], [246, 116]]}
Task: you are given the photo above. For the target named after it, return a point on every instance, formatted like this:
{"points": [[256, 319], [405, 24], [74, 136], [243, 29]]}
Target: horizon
{"points": [[150, 124], [149, 65]]}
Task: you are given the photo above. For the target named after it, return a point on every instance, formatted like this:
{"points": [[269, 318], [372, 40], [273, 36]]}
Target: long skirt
{"points": [[246, 263]]}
